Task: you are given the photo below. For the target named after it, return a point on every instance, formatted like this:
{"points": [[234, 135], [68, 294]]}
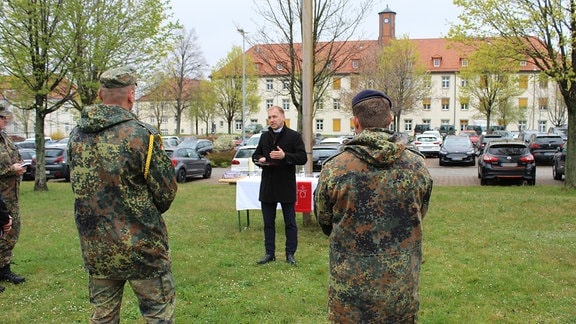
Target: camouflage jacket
{"points": [[371, 199], [9, 180], [117, 210]]}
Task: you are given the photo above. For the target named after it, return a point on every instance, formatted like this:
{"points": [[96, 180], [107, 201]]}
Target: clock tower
{"points": [[387, 24]]}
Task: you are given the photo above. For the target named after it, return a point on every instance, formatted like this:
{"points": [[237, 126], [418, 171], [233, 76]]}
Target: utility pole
{"points": [[243, 33]]}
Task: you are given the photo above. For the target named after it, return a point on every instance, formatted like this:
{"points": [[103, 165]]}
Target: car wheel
{"points": [[441, 162], [207, 172], [181, 175], [483, 182], [555, 174]]}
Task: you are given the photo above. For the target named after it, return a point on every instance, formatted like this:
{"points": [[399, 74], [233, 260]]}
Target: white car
{"points": [[435, 133], [242, 161], [335, 140], [427, 144], [253, 140]]}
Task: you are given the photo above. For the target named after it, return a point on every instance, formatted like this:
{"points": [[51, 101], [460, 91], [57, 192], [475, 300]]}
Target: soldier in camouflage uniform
{"points": [[119, 204], [10, 175], [370, 200]]}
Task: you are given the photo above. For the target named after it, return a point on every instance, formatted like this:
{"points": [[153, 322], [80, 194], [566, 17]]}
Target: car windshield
{"points": [[548, 138], [244, 153], [426, 139], [53, 153], [508, 150], [457, 142]]}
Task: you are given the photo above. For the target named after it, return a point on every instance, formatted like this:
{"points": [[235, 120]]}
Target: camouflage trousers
{"points": [[8, 242], [156, 298]]}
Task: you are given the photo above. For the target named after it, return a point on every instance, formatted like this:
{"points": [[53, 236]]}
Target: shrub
{"points": [[224, 143], [221, 158]]}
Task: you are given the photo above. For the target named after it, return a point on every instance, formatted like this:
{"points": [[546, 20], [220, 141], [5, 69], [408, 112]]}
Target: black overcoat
{"points": [[279, 178]]}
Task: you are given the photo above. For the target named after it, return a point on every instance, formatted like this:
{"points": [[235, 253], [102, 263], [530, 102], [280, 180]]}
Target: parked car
{"points": [[506, 160], [472, 135], [558, 162], [29, 157], [188, 163], [253, 128], [26, 145], [561, 130], [56, 163], [202, 146], [435, 133], [335, 140], [242, 159], [525, 134], [170, 142], [253, 140], [457, 150], [447, 130], [544, 146], [421, 128], [478, 129], [504, 133], [428, 145], [484, 139], [322, 152]]}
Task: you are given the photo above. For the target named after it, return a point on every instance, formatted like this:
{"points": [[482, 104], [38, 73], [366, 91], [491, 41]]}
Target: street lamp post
{"points": [[243, 33]]}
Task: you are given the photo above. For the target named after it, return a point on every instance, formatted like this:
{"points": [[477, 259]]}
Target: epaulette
{"points": [[151, 129]]}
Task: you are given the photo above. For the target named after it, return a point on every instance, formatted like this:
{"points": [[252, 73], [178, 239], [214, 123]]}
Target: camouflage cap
{"points": [[118, 78], [5, 112]]}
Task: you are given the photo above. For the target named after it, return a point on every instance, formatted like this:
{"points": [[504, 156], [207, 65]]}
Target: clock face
{"points": [[386, 20]]}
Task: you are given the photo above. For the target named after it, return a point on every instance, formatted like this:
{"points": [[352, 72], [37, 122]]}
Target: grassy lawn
{"points": [[492, 254]]}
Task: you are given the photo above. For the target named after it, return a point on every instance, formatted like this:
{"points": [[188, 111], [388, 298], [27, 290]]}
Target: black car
{"points": [[484, 139], [457, 150], [188, 163], [202, 146], [506, 160], [544, 146], [558, 162], [322, 152], [57, 163], [29, 157]]}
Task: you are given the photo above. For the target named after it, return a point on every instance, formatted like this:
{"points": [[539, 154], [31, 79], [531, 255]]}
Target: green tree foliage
{"points": [[399, 72], [543, 32], [227, 86], [491, 83]]}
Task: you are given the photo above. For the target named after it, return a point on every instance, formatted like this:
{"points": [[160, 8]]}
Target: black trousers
{"points": [[290, 228]]}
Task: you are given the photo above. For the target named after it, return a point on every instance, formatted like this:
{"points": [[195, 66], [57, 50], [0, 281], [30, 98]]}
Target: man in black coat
{"points": [[279, 151]]}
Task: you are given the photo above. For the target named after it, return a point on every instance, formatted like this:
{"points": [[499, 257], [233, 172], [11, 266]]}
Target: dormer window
{"points": [[355, 64], [279, 67], [436, 61], [522, 63], [464, 62]]}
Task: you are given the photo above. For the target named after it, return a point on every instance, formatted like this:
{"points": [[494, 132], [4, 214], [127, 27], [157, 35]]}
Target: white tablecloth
{"points": [[247, 190]]}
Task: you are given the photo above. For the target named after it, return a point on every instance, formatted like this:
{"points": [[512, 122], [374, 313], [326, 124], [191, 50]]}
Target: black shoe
{"points": [[290, 259], [267, 258], [7, 275]]}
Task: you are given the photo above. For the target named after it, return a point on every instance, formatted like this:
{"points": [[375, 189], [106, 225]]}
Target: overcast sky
{"points": [[215, 21]]}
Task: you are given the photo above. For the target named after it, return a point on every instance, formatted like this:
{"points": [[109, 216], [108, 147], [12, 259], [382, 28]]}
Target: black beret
{"points": [[369, 94]]}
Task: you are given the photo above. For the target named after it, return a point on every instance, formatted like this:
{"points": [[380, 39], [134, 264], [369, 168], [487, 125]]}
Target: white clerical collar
{"points": [[277, 130]]}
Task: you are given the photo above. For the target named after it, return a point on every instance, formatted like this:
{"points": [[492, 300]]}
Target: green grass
{"points": [[492, 255]]}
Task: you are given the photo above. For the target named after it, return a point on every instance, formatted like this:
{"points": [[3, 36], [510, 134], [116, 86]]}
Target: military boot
{"points": [[7, 275]]}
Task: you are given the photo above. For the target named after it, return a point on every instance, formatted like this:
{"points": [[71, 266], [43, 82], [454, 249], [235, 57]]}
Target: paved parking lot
{"points": [[443, 175]]}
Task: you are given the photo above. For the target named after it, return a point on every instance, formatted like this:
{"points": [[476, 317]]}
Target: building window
{"points": [[355, 64], [426, 103], [336, 124], [336, 83], [407, 125], [464, 62], [336, 104], [285, 85], [163, 131], [463, 82], [543, 84], [436, 62], [221, 123], [523, 63], [269, 84], [238, 124], [152, 120], [463, 124], [445, 103], [542, 126], [523, 103], [279, 67], [164, 120], [445, 82], [426, 122], [445, 122], [319, 125], [543, 103], [523, 82], [522, 125], [286, 104], [269, 103], [464, 103]]}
